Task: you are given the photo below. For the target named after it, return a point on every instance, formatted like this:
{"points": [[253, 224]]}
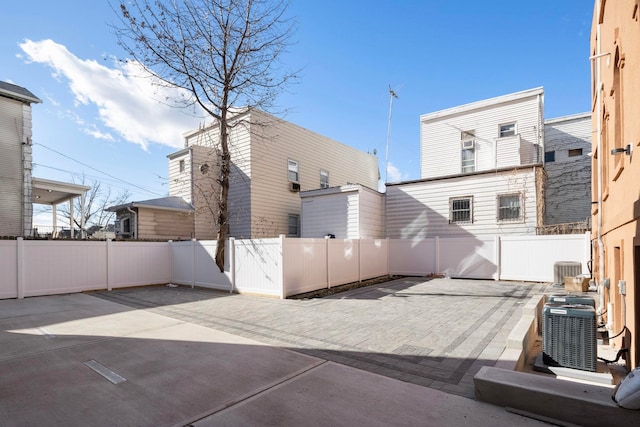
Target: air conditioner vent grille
{"points": [[569, 336], [564, 269]]}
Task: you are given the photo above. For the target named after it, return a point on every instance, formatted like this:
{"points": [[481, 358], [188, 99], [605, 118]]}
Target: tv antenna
{"points": [[392, 94]]}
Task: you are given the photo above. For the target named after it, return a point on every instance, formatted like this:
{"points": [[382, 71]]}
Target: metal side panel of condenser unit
{"points": [[571, 299], [569, 336]]}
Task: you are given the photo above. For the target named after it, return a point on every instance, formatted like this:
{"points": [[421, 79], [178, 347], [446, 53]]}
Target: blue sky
{"points": [[436, 54]]}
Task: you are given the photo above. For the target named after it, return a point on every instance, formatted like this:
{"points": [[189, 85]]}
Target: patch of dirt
{"points": [[320, 293]]}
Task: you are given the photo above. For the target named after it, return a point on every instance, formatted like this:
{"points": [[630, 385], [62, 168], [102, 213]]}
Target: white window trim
{"points": [[451, 200], [323, 172], [510, 221], [515, 129], [296, 170]]}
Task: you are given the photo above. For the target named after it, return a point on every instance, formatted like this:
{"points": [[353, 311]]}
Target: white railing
{"points": [[278, 267]]}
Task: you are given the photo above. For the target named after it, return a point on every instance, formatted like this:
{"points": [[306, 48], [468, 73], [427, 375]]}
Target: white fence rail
{"points": [[278, 267]]}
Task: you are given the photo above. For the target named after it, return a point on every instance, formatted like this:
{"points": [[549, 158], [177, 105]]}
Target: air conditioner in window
{"points": [[294, 186], [569, 336], [468, 144]]}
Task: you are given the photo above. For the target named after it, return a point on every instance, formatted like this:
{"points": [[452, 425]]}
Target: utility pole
{"points": [[392, 94]]}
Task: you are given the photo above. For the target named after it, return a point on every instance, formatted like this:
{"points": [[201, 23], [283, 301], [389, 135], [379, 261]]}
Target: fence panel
{"points": [[258, 266], [182, 267], [412, 258], [468, 257], [374, 258], [139, 263], [531, 258], [305, 265], [208, 274], [8, 269], [58, 267], [343, 257]]}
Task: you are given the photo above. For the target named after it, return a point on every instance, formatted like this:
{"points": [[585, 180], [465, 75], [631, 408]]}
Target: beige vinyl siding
{"points": [[11, 167], [274, 142], [164, 224], [371, 212], [440, 135], [568, 181], [180, 182], [421, 209]]}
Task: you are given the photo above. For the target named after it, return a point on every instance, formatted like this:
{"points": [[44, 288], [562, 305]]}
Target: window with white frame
{"points": [[509, 207], [507, 129], [468, 142], [292, 169], [293, 229], [461, 210], [324, 179]]}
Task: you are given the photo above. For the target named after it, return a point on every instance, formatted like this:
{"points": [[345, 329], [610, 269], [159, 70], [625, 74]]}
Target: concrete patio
{"points": [[177, 356]]}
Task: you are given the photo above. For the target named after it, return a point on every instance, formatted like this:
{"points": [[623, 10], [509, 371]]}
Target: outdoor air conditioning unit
{"points": [[571, 299], [564, 269], [569, 336], [294, 186]]}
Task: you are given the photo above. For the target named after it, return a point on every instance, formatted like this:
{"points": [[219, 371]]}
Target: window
{"points": [[550, 156], [181, 165], [125, 225], [324, 179], [460, 210], [508, 129], [293, 228], [293, 171], [467, 140], [575, 152], [509, 208]]}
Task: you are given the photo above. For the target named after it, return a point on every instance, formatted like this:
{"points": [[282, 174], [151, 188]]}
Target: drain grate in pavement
{"points": [[105, 372]]}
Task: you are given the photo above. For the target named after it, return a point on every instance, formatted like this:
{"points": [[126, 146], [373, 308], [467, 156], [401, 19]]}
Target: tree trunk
{"points": [[225, 169]]}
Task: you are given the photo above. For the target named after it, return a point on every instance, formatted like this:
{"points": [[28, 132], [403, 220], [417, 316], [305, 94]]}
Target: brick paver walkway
{"points": [[436, 333]]}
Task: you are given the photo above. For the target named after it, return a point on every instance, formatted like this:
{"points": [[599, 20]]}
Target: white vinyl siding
{"points": [[349, 212], [568, 182], [440, 134], [421, 209], [11, 167]]}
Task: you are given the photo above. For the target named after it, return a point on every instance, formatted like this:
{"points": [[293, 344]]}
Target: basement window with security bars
{"points": [[460, 210]]}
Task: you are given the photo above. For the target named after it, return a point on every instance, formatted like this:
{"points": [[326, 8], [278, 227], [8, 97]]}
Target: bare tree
{"points": [[224, 53], [97, 200]]}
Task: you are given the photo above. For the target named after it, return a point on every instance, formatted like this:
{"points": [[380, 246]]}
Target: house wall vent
{"points": [[294, 186], [569, 336], [562, 269]]}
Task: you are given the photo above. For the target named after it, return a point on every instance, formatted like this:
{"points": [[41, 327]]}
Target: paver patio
{"points": [[431, 332]]}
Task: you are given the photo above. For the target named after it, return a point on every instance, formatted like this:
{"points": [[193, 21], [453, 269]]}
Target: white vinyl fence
{"points": [[278, 267]]}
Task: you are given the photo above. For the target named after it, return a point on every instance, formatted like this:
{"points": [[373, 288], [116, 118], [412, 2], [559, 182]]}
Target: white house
{"points": [[272, 162], [346, 212], [481, 171]]}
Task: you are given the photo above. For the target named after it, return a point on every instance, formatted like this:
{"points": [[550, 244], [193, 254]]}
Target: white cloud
{"points": [[127, 98], [394, 174]]}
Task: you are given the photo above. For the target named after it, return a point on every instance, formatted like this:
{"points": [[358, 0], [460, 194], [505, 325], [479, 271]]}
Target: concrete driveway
{"points": [[82, 360]]}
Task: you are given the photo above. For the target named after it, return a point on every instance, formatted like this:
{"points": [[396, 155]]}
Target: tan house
{"points": [[272, 161], [615, 59]]}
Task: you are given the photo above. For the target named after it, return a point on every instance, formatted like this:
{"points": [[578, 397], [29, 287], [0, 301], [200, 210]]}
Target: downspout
{"points": [[598, 89], [134, 226]]}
